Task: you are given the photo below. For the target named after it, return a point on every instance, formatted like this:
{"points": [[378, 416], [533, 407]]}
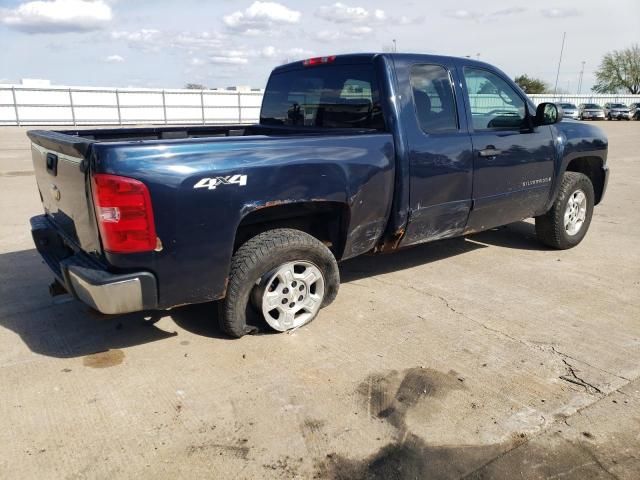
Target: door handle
{"points": [[489, 151]]}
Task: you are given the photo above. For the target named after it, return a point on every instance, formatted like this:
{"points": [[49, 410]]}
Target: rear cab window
{"points": [[324, 96], [434, 99]]}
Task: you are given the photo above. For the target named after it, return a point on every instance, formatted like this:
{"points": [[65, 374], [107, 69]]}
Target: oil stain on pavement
{"points": [[390, 397], [110, 358]]}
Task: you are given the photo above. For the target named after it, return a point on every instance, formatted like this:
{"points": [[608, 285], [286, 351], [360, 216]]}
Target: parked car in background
{"points": [[570, 110], [590, 111], [634, 111], [616, 111]]}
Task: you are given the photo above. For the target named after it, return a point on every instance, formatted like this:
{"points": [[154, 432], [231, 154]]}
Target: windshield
{"points": [[591, 105], [618, 105], [327, 96], [567, 105]]}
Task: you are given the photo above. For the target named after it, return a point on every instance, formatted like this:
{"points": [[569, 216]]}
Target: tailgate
{"points": [[60, 164]]}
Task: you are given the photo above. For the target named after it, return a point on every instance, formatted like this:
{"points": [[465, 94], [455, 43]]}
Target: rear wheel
{"points": [[280, 279], [566, 223]]}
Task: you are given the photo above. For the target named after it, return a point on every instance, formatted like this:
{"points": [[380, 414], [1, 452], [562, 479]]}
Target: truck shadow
{"points": [[518, 235], [378, 264], [65, 328]]}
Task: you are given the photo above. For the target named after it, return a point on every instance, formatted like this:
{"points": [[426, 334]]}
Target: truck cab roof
{"points": [[355, 58]]}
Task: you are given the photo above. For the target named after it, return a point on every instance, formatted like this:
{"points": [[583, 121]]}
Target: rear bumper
{"points": [[87, 279]]}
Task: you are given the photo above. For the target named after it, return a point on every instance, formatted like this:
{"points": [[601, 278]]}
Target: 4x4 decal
{"points": [[212, 183]]}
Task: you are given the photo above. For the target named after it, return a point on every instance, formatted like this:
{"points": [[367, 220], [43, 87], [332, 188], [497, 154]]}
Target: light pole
{"points": [[395, 46], [580, 80], [555, 88]]}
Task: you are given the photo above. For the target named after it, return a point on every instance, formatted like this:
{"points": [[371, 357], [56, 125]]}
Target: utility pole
{"points": [[555, 88], [580, 79]]}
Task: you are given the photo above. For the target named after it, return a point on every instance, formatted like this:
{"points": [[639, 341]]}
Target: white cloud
{"points": [[196, 62], [559, 12], [228, 60], [341, 13], [482, 16], [138, 36], [269, 51], [404, 20], [286, 54], [58, 16], [145, 39], [353, 33], [114, 59], [259, 17], [462, 14], [198, 40]]}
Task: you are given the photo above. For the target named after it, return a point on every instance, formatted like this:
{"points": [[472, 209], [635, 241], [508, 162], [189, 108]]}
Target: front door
{"points": [[513, 163]]}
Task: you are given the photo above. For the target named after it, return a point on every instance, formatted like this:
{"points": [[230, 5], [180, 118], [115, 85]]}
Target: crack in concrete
{"points": [[571, 377], [562, 354], [542, 431], [576, 380]]}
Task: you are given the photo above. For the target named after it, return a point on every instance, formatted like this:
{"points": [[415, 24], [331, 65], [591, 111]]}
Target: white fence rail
{"points": [[21, 105], [599, 99], [119, 106]]}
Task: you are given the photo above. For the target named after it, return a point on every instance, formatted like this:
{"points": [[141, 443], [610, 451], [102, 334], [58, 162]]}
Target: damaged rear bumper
{"points": [[87, 279]]}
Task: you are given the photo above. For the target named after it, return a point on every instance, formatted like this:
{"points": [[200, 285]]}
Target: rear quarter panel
{"points": [[197, 226]]}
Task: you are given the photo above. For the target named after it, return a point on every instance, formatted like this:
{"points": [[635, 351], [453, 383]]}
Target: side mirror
{"points": [[548, 113]]}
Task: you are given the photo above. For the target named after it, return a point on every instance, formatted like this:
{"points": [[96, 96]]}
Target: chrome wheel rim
{"points": [[575, 212], [292, 295]]}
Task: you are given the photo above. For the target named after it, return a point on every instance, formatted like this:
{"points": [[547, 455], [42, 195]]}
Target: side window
{"points": [[495, 105], [433, 98]]}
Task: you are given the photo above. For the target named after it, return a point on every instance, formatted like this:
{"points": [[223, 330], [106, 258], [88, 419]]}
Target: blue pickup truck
{"points": [[353, 154]]}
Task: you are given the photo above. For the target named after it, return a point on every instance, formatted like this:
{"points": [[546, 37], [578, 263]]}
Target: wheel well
{"points": [[326, 221], [592, 168]]}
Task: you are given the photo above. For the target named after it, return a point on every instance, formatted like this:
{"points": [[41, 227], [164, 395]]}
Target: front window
{"points": [[495, 105], [326, 96], [568, 105], [617, 105], [592, 106]]}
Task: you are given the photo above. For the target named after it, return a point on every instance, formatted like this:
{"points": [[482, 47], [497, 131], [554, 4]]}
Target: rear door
{"points": [[439, 151], [513, 163], [62, 181]]}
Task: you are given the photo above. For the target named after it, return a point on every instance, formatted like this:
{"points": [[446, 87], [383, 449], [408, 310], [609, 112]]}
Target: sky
{"points": [[161, 43]]}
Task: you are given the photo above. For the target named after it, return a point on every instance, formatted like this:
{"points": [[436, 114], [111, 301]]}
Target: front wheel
{"points": [[566, 223], [281, 278]]}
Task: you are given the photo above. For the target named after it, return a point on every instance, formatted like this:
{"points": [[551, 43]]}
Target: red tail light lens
{"points": [[124, 213], [309, 62]]}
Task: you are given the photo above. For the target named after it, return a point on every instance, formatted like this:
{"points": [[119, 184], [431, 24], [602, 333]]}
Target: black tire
{"points": [[550, 228], [257, 257]]}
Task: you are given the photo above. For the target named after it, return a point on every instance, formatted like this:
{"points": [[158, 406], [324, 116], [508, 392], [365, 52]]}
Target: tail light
{"points": [[124, 213], [309, 62]]}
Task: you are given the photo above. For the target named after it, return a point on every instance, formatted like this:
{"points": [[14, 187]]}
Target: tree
{"points": [[531, 84], [619, 71], [195, 86]]}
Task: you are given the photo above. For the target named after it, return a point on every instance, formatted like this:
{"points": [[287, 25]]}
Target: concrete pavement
{"points": [[482, 357]]}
